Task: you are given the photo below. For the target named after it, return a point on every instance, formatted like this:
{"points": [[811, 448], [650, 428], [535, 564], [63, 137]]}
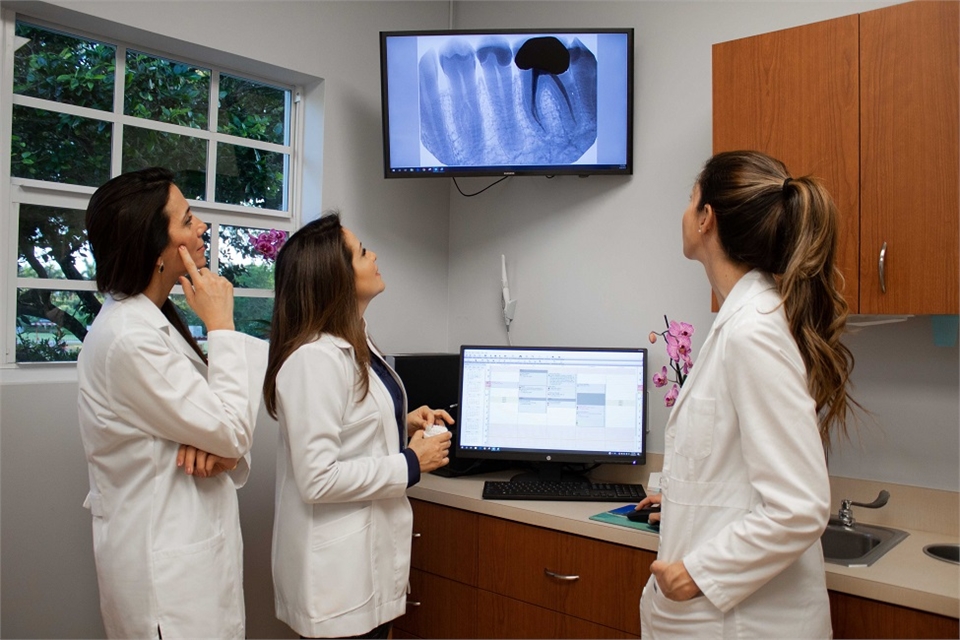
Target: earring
{"points": [[160, 268], [699, 230]]}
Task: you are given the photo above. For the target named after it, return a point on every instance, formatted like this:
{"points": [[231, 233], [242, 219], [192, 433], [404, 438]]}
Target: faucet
{"points": [[846, 513]]}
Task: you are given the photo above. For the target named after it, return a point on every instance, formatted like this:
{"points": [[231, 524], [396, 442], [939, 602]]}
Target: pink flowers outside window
{"points": [[678, 337], [268, 243]]}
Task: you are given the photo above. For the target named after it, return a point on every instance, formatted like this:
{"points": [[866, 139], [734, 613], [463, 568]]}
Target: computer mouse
{"points": [[643, 515]]}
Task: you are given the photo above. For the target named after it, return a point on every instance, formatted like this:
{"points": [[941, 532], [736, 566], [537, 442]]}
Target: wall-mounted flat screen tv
{"points": [[507, 102]]}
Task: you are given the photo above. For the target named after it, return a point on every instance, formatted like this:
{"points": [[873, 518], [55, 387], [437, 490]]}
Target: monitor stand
{"points": [[550, 472]]}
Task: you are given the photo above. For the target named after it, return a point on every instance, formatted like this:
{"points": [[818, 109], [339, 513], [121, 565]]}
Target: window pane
{"points": [[247, 255], [192, 320], [62, 68], [58, 147], [252, 110], [250, 177], [51, 325], [166, 91], [52, 243], [185, 156], [252, 316]]}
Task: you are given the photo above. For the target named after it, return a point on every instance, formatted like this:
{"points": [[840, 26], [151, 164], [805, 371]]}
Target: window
{"points": [[85, 108]]}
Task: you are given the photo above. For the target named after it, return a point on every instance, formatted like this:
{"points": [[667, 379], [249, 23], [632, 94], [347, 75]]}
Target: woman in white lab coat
{"points": [[342, 525], [744, 490], [165, 432]]}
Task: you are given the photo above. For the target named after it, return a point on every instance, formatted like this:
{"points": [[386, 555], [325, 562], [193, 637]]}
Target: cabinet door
{"points": [[793, 94], [445, 541], [909, 158], [855, 617], [439, 608], [503, 617], [516, 558], [611, 578]]}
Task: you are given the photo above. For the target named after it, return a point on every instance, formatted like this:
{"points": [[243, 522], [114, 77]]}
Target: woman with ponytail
{"points": [[745, 493], [165, 431]]}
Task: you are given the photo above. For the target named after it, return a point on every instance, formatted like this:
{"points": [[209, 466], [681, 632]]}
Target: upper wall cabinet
{"points": [[870, 103]]}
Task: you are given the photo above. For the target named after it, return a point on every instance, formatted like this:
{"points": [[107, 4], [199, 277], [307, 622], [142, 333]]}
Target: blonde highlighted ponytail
{"points": [[788, 227]]}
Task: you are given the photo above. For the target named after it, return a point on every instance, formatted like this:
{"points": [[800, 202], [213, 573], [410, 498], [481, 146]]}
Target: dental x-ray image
{"points": [[507, 102], [530, 101]]}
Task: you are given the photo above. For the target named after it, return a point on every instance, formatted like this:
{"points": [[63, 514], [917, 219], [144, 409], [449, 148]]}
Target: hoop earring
{"points": [[160, 268]]}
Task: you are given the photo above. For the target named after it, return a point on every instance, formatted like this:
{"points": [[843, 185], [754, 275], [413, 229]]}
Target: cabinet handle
{"points": [[416, 535], [413, 603], [560, 576], [883, 278]]}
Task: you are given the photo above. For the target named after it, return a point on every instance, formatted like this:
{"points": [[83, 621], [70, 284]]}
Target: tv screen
{"points": [[508, 102], [553, 405]]}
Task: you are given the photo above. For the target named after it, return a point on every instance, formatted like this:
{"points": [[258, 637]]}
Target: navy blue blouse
{"points": [[396, 392]]}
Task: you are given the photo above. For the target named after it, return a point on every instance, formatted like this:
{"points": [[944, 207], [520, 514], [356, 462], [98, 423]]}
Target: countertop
{"points": [[904, 576]]}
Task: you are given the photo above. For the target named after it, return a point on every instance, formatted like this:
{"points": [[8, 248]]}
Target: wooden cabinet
{"points": [[476, 576], [869, 103], [855, 617], [443, 578]]}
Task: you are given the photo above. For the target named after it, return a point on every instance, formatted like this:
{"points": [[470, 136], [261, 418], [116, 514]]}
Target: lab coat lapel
{"points": [[151, 312], [752, 283]]}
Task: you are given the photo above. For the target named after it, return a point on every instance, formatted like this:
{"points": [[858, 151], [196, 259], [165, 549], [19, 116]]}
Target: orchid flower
{"points": [[678, 339]]}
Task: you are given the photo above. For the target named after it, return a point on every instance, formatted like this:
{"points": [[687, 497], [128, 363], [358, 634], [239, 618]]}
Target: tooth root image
{"points": [[487, 105]]}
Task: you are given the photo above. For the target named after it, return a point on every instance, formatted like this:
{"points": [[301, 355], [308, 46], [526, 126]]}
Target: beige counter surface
{"points": [[904, 576]]}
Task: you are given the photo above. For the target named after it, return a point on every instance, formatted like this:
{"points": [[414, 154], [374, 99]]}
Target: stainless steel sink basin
{"points": [[945, 552], [860, 545]]}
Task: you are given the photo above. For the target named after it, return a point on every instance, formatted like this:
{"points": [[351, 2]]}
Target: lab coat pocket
{"points": [[697, 616], [695, 425], [198, 590], [371, 418], [341, 556]]}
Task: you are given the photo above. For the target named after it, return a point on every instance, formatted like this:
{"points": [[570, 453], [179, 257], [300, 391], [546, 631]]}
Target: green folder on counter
{"points": [[619, 516]]}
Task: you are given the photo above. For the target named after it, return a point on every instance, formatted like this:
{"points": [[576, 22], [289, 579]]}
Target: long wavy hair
{"points": [[315, 292], [128, 228], [788, 227]]}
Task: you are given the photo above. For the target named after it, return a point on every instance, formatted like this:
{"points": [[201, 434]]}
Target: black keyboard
{"points": [[564, 491]]}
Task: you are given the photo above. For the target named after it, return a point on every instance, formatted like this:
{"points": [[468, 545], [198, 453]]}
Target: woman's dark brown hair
{"points": [[315, 292], [128, 229], [788, 227]]}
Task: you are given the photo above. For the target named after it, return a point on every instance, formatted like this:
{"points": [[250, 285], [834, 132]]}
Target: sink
{"points": [[858, 546], [945, 552]]}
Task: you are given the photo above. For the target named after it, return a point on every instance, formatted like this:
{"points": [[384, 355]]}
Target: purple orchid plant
{"points": [[268, 243], [678, 337]]}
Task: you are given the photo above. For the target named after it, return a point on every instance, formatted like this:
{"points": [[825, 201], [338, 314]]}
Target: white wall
{"points": [[592, 261], [598, 261]]}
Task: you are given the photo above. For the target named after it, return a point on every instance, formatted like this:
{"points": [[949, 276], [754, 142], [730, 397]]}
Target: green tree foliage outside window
{"points": [[51, 145]]}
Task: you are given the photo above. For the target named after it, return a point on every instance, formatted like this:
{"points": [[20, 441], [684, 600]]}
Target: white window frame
{"points": [[17, 191]]}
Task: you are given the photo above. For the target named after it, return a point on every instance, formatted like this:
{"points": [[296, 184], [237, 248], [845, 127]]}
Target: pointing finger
{"points": [[188, 262]]}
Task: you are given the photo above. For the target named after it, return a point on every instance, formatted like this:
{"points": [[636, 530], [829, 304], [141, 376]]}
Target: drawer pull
{"points": [[416, 535], [413, 603], [882, 265], [560, 576]]}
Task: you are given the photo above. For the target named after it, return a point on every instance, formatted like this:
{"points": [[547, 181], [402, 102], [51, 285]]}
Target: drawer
{"points": [[439, 608], [595, 581], [505, 617], [444, 541]]}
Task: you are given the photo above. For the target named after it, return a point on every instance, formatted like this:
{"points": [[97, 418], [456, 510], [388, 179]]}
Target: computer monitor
{"points": [[553, 406]]}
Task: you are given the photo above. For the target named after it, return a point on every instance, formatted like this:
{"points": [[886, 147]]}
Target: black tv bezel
{"points": [[564, 457], [507, 170]]}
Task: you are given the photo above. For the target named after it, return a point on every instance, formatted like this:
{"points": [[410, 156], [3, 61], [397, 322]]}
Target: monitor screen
{"points": [[508, 102], [553, 405]]}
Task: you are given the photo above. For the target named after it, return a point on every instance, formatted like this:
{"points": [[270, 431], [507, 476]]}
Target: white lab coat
{"points": [[745, 488], [343, 524], [167, 545]]}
